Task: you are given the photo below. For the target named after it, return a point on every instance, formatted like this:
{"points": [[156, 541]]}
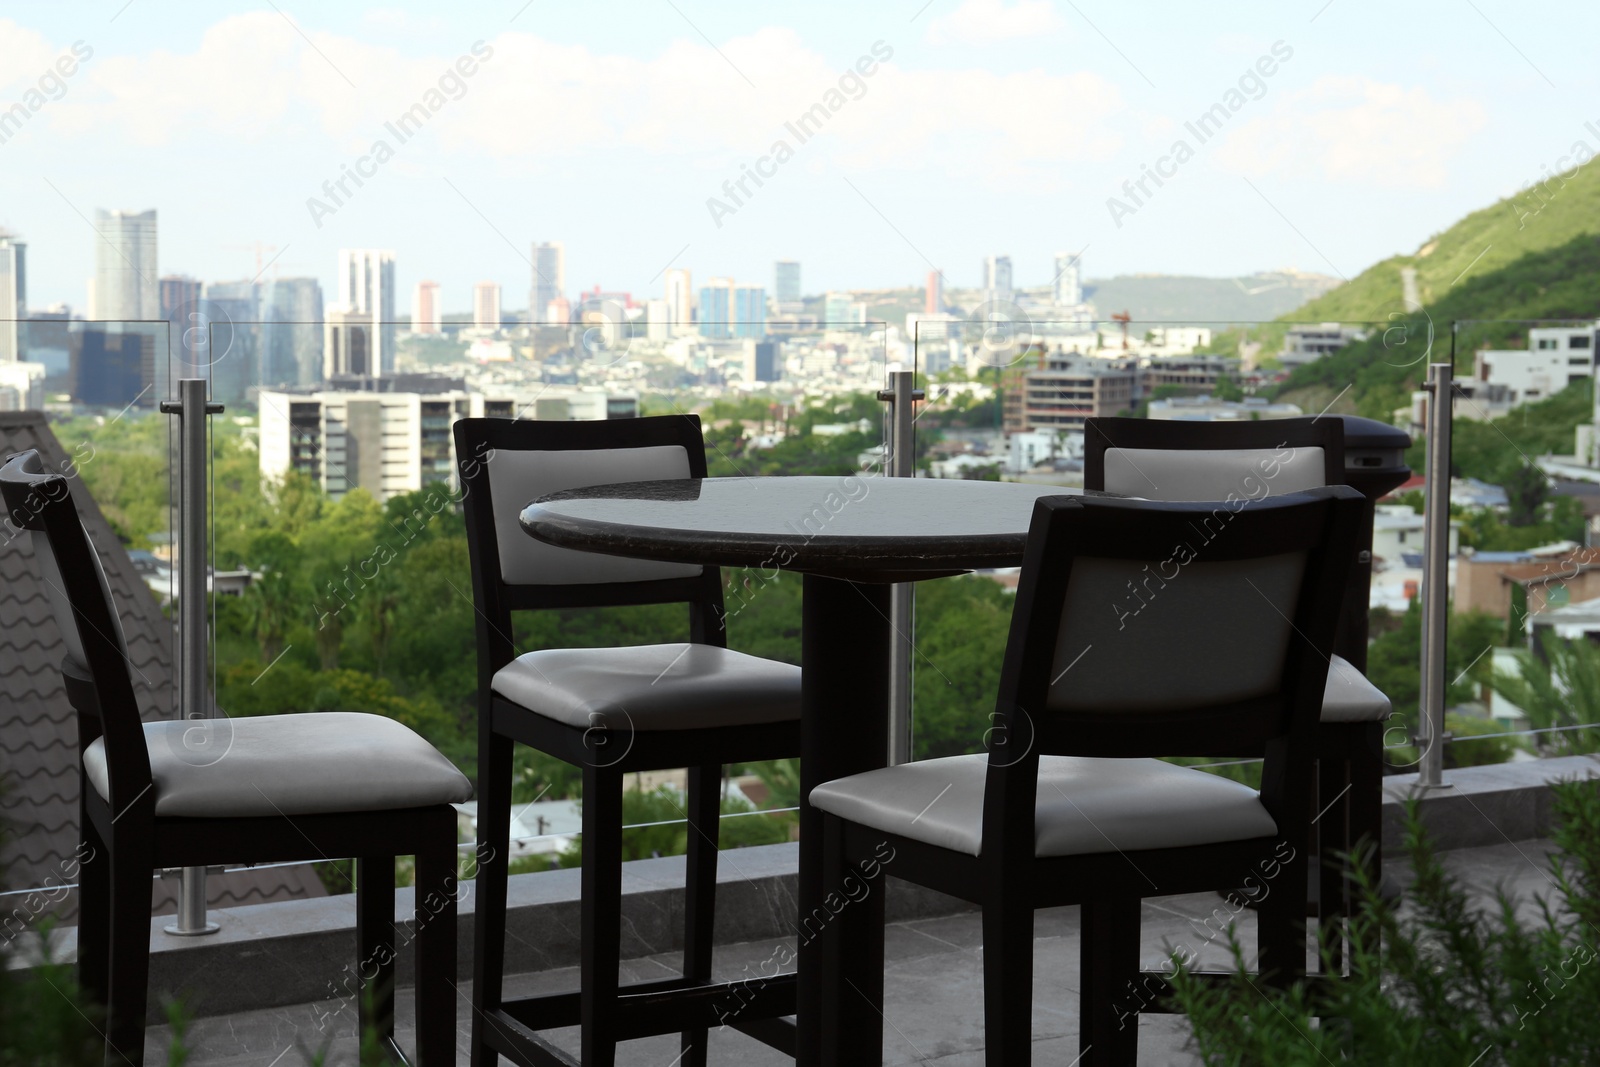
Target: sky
{"points": [[942, 131]]}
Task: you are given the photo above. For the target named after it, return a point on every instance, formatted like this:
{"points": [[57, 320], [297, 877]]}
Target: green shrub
{"points": [[1454, 984]]}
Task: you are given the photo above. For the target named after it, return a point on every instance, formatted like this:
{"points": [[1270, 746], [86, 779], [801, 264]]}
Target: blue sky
{"points": [[993, 126]]}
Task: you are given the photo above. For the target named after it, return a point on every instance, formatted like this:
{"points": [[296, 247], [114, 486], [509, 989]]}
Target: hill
{"points": [[1542, 219], [1182, 298]]}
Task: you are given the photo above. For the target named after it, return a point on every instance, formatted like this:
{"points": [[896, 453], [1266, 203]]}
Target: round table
{"points": [[850, 537]]}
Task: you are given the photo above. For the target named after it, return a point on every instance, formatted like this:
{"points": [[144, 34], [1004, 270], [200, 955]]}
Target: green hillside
{"points": [[1539, 220]]}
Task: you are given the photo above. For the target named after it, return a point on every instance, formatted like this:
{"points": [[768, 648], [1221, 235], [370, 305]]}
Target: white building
{"points": [[366, 288], [13, 295], [486, 305], [1210, 409], [1177, 340], [1033, 448], [1553, 360], [1306, 344], [1068, 289], [1397, 531], [549, 281], [390, 443], [680, 301], [125, 285]]}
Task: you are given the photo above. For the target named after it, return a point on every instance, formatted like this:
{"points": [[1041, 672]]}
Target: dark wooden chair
{"points": [[1169, 460], [1228, 654], [609, 711], [255, 790]]}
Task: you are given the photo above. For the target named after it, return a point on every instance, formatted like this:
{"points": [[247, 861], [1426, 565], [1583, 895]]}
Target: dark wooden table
{"points": [[850, 537]]}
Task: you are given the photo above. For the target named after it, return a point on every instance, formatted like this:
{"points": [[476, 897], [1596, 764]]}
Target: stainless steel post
{"points": [[1436, 573], [193, 628], [901, 462]]}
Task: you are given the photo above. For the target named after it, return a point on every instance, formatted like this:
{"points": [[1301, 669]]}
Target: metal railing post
{"points": [[193, 630], [901, 462], [1436, 573]]}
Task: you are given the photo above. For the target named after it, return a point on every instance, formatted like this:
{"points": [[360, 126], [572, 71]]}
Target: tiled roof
{"points": [[38, 730]]}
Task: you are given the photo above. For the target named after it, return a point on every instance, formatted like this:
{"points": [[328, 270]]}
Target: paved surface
{"points": [[933, 988]]}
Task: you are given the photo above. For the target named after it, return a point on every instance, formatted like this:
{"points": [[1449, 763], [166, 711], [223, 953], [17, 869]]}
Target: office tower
{"points": [[997, 277], [125, 285], [292, 345], [1069, 280], [180, 294], [229, 352], [680, 300], [761, 362], [426, 313], [786, 282], [933, 295], [836, 309], [347, 346], [366, 288], [486, 305], [13, 295], [113, 364], [715, 313], [750, 311], [549, 281], [657, 320]]}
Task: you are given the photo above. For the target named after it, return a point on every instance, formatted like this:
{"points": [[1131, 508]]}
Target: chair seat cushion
{"points": [[1349, 697], [652, 687], [1084, 805], [302, 764]]}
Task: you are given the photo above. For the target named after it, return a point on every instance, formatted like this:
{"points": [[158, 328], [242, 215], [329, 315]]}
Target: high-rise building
{"points": [[292, 346], [997, 278], [231, 353], [113, 364], [549, 281], [125, 285], [657, 320], [426, 313], [486, 305], [347, 346], [786, 283], [750, 311], [761, 362], [13, 295], [1069, 280], [366, 287], [933, 295], [680, 300], [715, 314], [180, 295]]}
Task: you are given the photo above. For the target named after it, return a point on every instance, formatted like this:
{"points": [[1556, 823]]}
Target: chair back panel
{"points": [[55, 588], [519, 477], [1167, 636], [1212, 474]]}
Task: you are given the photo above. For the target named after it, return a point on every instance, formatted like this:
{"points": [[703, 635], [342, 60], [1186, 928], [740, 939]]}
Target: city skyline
{"points": [[1173, 150]]}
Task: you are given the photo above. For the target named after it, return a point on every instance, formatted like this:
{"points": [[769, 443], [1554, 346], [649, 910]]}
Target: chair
{"points": [[253, 790], [1227, 655], [609, 711], [1166, 460]]}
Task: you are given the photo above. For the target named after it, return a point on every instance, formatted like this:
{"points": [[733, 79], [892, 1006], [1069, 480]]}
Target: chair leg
{"points": [[375, 943], [852, 1025], [1332, 834], [1108, 1020], [600, 914], [1281, 929], [1366, 817], [1008, 982], [94, 912], [700, 892], [435, 920], [128, 983], [489, 909]]}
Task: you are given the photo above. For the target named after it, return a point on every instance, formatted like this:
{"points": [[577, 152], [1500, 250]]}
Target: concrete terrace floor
{"points": [[933, 988]]}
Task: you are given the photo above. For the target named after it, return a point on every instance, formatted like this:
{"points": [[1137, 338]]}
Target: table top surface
{"points": [[863, 528]]}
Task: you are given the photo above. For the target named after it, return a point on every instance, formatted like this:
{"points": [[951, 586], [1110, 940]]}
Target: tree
{"points": [[1560, 688], [1527, 489]]}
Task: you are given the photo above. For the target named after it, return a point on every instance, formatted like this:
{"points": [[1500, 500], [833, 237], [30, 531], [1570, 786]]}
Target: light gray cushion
{"points": [[1212, 474], [518, 478], [651, 687], [1084, 805], [1137, 637], [1349, 697], [302, 764]]}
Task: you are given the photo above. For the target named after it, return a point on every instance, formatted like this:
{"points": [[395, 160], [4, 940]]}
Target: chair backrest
{"points": [[73, 579], [1159, 459], [507, 464], [1150, 628]]}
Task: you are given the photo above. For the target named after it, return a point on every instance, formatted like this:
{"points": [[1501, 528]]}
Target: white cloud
{"points": [[253, 78], [987, 21], [1355, 130]]}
